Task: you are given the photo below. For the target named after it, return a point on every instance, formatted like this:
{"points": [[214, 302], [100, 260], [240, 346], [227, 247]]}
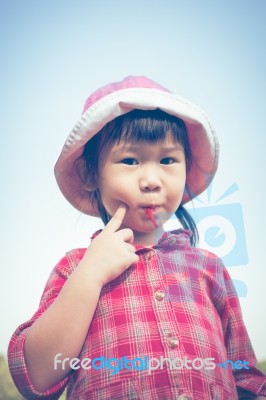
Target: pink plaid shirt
{"points": [[177, 303]]}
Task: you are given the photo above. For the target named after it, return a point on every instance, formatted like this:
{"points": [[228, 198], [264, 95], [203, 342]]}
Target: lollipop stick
{"points": [[151, 216]]}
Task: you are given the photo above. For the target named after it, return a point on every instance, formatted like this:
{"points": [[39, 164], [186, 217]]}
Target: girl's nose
{"points": [[150, 182]]}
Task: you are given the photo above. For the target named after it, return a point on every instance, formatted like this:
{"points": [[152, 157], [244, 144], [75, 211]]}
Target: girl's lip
{"points": [[153, 208]]}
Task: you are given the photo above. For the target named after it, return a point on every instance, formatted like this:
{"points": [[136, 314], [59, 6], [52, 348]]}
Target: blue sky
{"points": [[55, 53]]}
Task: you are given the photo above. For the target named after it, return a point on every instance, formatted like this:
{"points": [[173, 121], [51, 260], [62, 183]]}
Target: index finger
{"points": [[117, 219]]}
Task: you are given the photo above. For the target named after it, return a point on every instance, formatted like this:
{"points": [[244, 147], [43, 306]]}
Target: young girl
{"points": [[141, 313]]}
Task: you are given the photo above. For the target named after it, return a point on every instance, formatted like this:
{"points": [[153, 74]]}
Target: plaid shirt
{"points": [[178, 302]]}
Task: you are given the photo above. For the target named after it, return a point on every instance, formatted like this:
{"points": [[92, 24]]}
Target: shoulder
{"points": [[194, 257], [69, 262], [182, 239]]}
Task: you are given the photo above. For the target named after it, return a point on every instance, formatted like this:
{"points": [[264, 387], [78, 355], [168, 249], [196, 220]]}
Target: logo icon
{"points": [[222, 232]]}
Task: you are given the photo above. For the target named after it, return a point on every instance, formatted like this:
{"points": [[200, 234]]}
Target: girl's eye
{"points": [[167, 160], [129, 161]]}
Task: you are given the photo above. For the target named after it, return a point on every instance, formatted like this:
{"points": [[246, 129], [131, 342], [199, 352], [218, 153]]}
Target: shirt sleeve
{"points": [[249, 379], [16, 359]]}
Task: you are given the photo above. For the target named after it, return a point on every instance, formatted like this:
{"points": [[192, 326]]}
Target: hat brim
{"points": [[202, 138]]}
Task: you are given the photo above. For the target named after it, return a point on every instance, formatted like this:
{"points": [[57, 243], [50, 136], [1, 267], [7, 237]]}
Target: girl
{"points": [[141, 313]]}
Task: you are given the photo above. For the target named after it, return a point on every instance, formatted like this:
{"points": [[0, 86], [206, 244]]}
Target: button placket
{"points": [[162, 307]]}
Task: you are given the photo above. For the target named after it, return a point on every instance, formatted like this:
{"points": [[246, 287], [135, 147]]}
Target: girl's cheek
{"points": [[122, 192]]}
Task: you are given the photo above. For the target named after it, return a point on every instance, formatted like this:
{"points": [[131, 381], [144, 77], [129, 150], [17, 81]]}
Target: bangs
{"points": [[146, 126], [143, 126]]}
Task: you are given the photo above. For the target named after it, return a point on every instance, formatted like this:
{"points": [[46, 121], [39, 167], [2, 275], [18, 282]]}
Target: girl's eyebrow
{"points": [[176, 146], [137, 147]]}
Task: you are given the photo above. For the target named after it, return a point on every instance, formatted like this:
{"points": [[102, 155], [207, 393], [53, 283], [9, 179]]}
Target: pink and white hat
{"points": [[115, 99]]}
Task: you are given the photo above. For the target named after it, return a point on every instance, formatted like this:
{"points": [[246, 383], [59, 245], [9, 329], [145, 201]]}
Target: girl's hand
{"points": [[112, 251]]}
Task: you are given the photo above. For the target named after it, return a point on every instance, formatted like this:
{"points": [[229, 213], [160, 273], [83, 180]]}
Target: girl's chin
{"points": [[147, 227]]}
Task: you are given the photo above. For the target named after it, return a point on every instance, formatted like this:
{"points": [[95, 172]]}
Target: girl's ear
{"points": [[88, 179], [89, 187]]}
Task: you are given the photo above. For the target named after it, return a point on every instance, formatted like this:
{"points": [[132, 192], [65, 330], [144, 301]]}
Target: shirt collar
{"points": [[169, 241], [172, 240]]}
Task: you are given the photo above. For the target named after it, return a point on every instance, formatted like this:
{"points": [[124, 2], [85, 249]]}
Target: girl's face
{"points": [[141, 175]]}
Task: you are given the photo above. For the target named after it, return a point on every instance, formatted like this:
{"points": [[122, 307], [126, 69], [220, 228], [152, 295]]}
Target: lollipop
{"points": [[149, 212]]}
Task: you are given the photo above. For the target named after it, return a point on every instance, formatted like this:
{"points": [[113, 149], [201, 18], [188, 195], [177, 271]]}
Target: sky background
{"points": [[54, 54]]}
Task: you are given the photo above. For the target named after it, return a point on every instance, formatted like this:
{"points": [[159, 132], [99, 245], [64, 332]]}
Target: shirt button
{"points": [[159, 295], [172, 342], [184, 397]]}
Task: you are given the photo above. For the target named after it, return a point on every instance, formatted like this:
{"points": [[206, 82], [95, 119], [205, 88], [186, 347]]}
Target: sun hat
{"points": [[118, 98]]}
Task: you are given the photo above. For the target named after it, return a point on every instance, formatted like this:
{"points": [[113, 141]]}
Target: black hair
{"points": [[137, 126]]}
